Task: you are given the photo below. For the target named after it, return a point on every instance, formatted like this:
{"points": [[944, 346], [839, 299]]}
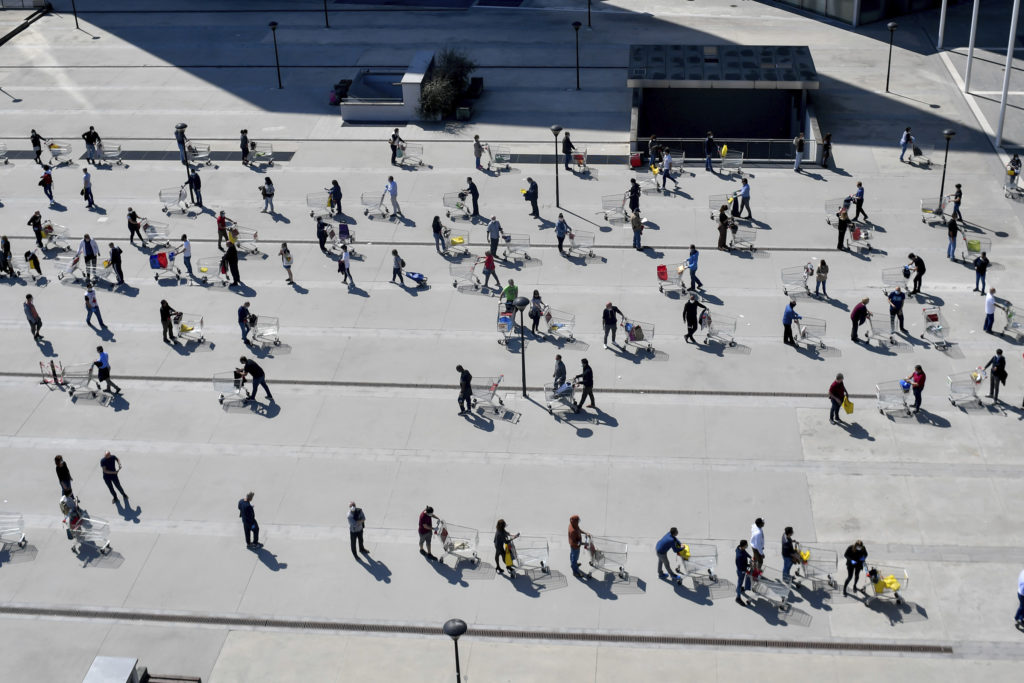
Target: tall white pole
{"points": [[942, 23], [1006, 72], [970, 47]]}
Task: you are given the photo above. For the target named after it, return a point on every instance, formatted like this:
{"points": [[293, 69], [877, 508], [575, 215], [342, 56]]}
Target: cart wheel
{"points": [[270, 163], [221, 399], [660, 288], [277, 342], [156, 278], [366, 212], [24, 541], [527, 256], [550, 411]]}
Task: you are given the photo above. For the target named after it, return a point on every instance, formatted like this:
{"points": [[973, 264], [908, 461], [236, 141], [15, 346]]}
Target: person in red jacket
{"points": [[575, 543], [836, 394], [916, 380], [858, 316]]}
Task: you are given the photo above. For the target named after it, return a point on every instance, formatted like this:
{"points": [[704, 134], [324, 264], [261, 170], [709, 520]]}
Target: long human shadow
{"points": [[376, 568]]}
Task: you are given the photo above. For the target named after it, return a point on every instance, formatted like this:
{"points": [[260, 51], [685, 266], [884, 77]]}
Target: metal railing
{"points": [[21, 4], [754, 150]]}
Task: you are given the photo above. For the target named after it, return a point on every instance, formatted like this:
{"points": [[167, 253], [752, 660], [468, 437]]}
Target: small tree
{"points": [[444, 83]]}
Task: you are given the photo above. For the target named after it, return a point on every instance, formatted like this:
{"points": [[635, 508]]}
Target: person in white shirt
{"points": [[186, 253], [391, 189], [90, 249], [990, 310], [757, 542], [343, 267], [1019, 617], [666, 170]]}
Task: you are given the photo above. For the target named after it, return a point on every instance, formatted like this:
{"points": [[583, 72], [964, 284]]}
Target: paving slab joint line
{"points": [[609, 637]]}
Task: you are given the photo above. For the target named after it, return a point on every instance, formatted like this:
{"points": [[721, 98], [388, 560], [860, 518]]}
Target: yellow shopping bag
{"points": [[186, 328], [847, 405], [974, 246], [684, 552], [805, 555], [891, 583], [725, 150]]}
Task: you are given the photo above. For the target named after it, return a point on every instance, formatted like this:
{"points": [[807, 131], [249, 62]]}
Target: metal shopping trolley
{"points": [[892, 397], [110, 153], [213, 269], [935, 328], [832, 207], [174, 199], [607, 555], [721, 327], [639, 335], [197, 152], [975, 245], [89, 531], [498, 156], [921, 155], [563, 396], [671, 277], [60, 152], [715, 202], [614, 208], [156, 232], [456, 241], [409, 153], [884, 581], [877, 331], [517, 244], [529, 552], [933, 208], [816, 567], [743, 238], [795, 278], [79, 377], [230, 386], [319, 204], [812, 331], [461, 542], [244, 239], [963, 386], [894, 277], [12, 529], [266, 330], [373, 203], [506, 323], [464, 275], [71, 266], [189, 326], [559, 323], [731, 161], [649, 186], [699, 563], [768, 583], [581, 242], [57, 236], [162, 264], [485, 393], [261, 153], [455, 202], [859, 237], [1011, 323], [342, 234], [579, 159]]}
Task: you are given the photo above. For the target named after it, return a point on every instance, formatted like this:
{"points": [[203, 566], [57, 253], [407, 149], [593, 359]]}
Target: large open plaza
{"points": [[705, 435]]}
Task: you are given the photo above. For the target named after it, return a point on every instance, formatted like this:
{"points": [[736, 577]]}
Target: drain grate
{"points": [[611, 638]]}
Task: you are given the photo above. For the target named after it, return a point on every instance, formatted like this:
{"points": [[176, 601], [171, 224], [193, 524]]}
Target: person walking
{"points": [[958, 198], [561, 230], [425, 528], [567, 150], [243, 322], [478, 151], [1013, 169], [669, 543], [745, 199], [559, 375], [691, 264], [321, 234], [856, 556], [724, 223], [916, 265], [837, 395], [334, 198], [243, 143], [395, 142], [490, 270], [474, 195], [167, 321], [114, 255], [35, 323], [345, 267], [789, 315], [397, 264], [842, 225], [531, 196], [666, 170], [691, 317], [222, 230], [110, 465], [997, 375], [258, 377], [821, 279], [980, 270], [906, 140], [757, 544], [465, 390], [743, 569], [634, 195], [249, 525], [46, 182], [858, 316], [356, 525], [917, 379], [502, 545], [610, 321], [896, 300], [438, 231], [709, 150], [89, 249], [92, 307], [536, 311], [798, 146], [494, 232], [36, 223], [267, 191], [638, 230], [87, 189], [990, 310], [180, 139], [196, 185], [63, 473], [286, 262], [37, 145], [103, 364], [230, 259], [951, 230], [186, 254], [1018, 618], [789, 553], [391, 190], [135, 227], [858, 201], [586, 378], [826, 149]]}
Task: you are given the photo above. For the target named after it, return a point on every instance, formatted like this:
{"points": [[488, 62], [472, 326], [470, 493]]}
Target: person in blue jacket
{"points": [[788, 316], [668, 543], [691, 264]]}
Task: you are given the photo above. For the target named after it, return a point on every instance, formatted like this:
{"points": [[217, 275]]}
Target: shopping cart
{"points": [[817, 566], [319, 204], [812, 331], [70, 265], [832, 207], [581, 242], [497, 156], [455, 201], [698, 562], [884, 580], [607, 555], [931, 207], [230, 386], [579, 159], [157, 232], [110, 153], [795, 278], [921, 155], [197, 152], [671, 277], [162, 264], [1011, 190], [517, 244], [715, 202], [78, 377], [1011, 324], [463, 274], [89, 531], [485, 393], [892, 397], [975, 245], [244, 239], [373, 203], [768, 583], [859, 237], [456, 241], [12, 530], [639, 335], [342, 234], [721, 327], [506, 323], [461, 542], [189, 326], [894, 277], [731, 161], [935, 328], [563, 396], [963, 386], [614, 208], [212, 268], [743, 237], [105, 272], [57, 236], [649, 186], [174, 199], [265, 330], [261, 153], [60, 152], [409, 153], [878, 332], [559, 323], [529, 552]]}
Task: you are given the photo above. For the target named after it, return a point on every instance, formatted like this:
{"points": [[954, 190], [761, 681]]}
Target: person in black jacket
{"points": [[259, 378], [36, 223], [567, 148], [586, 378], [465, 390], [531, 196], [842, 224], [742, 571], [134, 225], [610, 321], [167, 321], [196, 183], [789, 554], [249, 525], [998, 374], [502, 538], [980, 269], [634, 195], [243, 142], [474, 194], [37, 144], [856, 555], [63, 474], [690, 309], [709, 150], [92, 139], [916, 265], [231, 260], [115, 262]]}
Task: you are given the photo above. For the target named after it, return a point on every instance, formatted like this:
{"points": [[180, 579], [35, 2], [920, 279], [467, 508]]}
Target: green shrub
{"points": [[444, 83]]}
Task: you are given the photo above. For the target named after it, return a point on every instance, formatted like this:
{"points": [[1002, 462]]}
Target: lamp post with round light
{"points": [[892, 26], [555, 130], [277, 59], [576, 27], [948, 134], [455, 628], [521, 302]]}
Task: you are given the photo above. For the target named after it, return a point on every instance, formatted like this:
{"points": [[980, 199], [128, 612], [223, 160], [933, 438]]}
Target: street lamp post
{"points": [[454, 628], [576, 27], [277, 60], [588, 15], [74, 10], [327, 19], [521, 302], [181, 127], [948, 133], [892, 26], [555, 130]]}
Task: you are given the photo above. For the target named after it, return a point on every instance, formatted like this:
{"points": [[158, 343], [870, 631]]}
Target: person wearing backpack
{"points": [[267, 190]]}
